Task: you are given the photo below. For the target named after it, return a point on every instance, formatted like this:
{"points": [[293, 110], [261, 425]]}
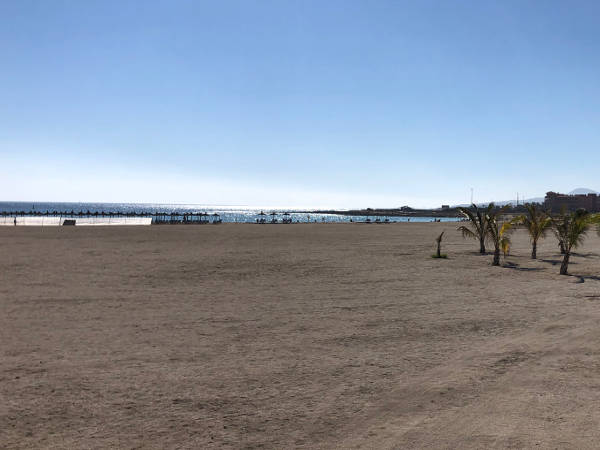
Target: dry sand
{"points": [[315, 336]]}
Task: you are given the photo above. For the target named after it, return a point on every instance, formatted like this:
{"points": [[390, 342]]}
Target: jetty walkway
{"points": [[58, 218]]}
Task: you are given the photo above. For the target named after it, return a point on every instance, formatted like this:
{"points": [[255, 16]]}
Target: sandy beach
{"points": [[280, 336]]}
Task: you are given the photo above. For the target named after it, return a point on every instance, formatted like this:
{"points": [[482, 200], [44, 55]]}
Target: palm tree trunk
{"points": [[565, 264], [534, 250], [482, 245], [496, 261]]}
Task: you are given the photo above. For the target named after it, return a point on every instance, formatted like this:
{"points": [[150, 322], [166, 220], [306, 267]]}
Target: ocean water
{"points": [[239, 214]]}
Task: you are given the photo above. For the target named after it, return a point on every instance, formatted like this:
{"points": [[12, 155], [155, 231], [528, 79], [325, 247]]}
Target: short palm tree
{"points": [[439, 245], [571, 228], [505, 241], [477, 228], [537, 223], [498, 233], [555, 230]]}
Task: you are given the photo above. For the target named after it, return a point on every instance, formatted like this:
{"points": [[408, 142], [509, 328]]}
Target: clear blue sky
{"points": [[298, 103]]}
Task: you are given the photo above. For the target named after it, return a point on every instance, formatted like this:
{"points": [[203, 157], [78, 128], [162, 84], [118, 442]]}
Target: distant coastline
{"points": [[176, 213], [396, 212]]}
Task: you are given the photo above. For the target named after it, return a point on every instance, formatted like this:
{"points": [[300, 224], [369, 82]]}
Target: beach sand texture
{"points": [[309, 335]]}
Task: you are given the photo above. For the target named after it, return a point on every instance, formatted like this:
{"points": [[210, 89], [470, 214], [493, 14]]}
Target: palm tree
{"points": [[439, 244], [477, 228], [561, 245], [505, 241], [499, 234], [571, 228], [554, 228], [537, 223]]}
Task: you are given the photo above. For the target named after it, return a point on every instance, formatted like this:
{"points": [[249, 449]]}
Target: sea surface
{"points": [[241, 214]]}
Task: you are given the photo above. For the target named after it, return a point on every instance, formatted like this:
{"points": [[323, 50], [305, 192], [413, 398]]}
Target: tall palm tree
{"points": [[499, 233], [477, 228], [571, 228], [537, 223]]}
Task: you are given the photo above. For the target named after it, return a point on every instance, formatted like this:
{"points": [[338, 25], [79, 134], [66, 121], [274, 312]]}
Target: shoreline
{"points": [[452, 213]]}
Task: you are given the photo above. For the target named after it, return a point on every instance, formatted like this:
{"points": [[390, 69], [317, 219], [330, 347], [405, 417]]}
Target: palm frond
{"points": [[506, 228], [467, 233], [439, 238], [571, 228], [477, 227], [467, 213], [505, 245], [536, 221]]}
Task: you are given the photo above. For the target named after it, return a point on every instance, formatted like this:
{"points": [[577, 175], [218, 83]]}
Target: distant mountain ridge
{"points": [[584, 191], [578, 191]]}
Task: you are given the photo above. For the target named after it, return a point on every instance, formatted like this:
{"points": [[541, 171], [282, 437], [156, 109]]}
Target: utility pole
{"points": [[471, 196]]}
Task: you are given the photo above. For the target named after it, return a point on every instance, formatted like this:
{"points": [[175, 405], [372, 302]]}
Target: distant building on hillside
{"points": [[445, 207], [555, 202]]}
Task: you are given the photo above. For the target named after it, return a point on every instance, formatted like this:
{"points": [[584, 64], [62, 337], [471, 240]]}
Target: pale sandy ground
{"points": [[315, 336]]}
